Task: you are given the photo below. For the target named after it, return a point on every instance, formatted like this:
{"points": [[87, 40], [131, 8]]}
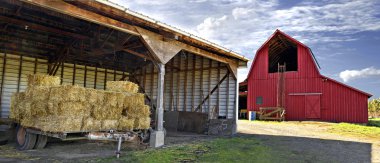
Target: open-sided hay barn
{"points": [[88, 43], [300, 88]]}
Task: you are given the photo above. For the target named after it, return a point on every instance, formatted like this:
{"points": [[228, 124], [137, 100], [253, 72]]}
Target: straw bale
{"points": [[137, 111], [109, 124], [126, 123], [110, 98], [37, 93], [91, 124], [52, 108], [122, 86], [39, 108], [43, 80], [58, 123], [24, 107], [134, 100], [68, 93], [14, 110], [94, 96], [28, 122], [142, 123], [74, 109], [102, 112]]}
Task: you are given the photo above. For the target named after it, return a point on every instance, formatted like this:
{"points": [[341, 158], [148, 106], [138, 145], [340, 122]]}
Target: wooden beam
{"points": [[19, 74], [192, 85], [185, 84], [209, 85], [218, 93], [69, 9], [171, 85], [201, 84], [178, 83]]}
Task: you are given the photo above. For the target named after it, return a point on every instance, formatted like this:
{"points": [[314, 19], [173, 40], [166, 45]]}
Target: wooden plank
{"points": [[35, 65], [185, 85], [201, 84], [209, 85], [192, 85], [171, 85], [178, 82], [96, 76], [218, 93], [152, 83], [74, 72], [19, 74], [85, 76], [68, 9], [228, 94], [62, 70], [105, 79]]}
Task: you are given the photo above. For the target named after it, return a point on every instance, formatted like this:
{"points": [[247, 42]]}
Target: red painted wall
{"points": [[338, 102]]}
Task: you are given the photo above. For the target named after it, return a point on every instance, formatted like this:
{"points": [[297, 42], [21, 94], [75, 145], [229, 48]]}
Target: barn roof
{"points": [[278, 32], [116, 10]]}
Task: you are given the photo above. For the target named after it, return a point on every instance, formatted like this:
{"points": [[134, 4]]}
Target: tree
{"points": [[374, 108]]}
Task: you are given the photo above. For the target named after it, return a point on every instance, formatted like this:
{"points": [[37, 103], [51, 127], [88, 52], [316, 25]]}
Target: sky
{"points": [[344, 35]]}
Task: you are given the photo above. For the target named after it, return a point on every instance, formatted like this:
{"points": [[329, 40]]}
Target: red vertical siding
{"points": [[339, 103]]}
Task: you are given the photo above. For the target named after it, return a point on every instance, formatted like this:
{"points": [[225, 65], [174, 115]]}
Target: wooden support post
{"points": [[62, 70], [218, 93], [144, 77], [35, 65], [85, 76], [185, 85], [228, 93], [19, 74], [2, 82], [74, 73], [96, 76], [160, 98], [171, 85], [105, 79], [114, 75], [193, 85], [178, 82], [209, 85], [201, 83], [152, 83]]}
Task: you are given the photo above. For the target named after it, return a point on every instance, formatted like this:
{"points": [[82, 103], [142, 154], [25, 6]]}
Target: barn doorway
{"points": [[313, 106], [282, 51]]}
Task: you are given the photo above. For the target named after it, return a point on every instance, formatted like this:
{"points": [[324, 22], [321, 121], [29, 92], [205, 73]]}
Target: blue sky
{"points": [[343, 34]]}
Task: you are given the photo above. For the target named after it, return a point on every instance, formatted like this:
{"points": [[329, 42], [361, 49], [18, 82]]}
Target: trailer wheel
{"points": [[41, 141], [25, 140]]}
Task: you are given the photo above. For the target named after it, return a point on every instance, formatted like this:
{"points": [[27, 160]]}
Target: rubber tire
{"points": [[30, 140], [41, 141]]}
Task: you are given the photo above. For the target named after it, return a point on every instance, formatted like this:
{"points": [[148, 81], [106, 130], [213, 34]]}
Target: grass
{"points": [[355, 129], [374, 122], [237, 149]]}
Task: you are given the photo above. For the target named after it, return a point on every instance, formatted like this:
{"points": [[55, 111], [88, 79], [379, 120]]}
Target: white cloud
{"points": [[348, 75], [206, 28]]}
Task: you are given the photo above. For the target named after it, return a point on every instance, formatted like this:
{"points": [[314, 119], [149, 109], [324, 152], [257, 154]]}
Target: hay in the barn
{"points": [[68, 93], [137, 111], [59, 124], [43, 80], [94, 96], [39, 108], [28, 122], [24, 108], [110, 124], [134, 100], [142, 123], [74, 109], [122, 86], [126, 123], [14, 110], [102, 112], [110, 98], [37, 93], [91, 124]]}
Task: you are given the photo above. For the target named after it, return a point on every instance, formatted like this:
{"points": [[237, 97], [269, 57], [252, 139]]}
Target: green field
{"points": [[355, 129]]}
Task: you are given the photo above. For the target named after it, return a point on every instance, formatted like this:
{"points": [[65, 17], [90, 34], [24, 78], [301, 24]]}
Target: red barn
{"points": [[286, 73]]}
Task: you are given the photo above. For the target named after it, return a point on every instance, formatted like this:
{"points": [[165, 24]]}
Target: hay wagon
{"points": [[69, 112]]}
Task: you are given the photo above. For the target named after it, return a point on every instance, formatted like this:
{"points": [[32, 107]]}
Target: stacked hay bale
{"points": [[49, 106]]}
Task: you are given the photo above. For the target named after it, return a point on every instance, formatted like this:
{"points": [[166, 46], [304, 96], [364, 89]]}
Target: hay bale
{"points": [[43, 80], [39, 108], [91, 124], [102, 112], [110, 98], [126, 124], [66, 93], [109, 124], [122, 86], [24, 107], [59, 123], [94, 96], [14, 111], [82, 109], [142, 123], [135, 99], [38, 93], [137, 111], [28, 122]]}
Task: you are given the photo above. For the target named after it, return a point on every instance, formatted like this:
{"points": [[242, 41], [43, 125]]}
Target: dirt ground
{"points": [[314, 139], [310, 141]]}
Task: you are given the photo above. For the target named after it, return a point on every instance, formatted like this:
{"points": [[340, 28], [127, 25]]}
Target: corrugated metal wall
{"points": [[188, 80], [339, 103], [14, 70]]}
